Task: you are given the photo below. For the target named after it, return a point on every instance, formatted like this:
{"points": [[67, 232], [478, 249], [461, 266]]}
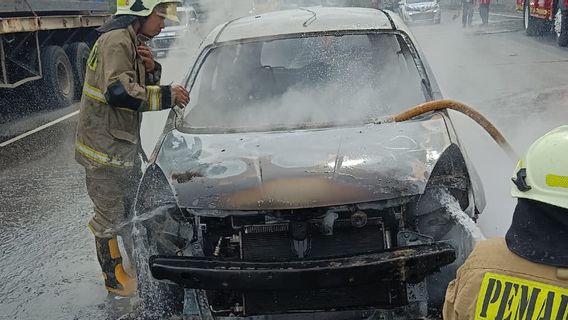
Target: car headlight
{"points": [[157, 218], [154, 191], [449, 176]]}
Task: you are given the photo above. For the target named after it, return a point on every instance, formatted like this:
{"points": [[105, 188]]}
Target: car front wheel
{"points": [[159, 300]]}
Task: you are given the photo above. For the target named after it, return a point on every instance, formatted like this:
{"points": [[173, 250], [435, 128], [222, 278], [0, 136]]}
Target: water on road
{"points": [[48, 266]]}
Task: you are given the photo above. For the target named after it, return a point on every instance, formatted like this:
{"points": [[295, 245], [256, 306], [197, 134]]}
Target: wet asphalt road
{"points": [[519, 83], [48, 267]]}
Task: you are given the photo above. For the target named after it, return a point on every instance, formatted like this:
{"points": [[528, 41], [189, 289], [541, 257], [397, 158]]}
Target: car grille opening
{"points": [[295, 235]]}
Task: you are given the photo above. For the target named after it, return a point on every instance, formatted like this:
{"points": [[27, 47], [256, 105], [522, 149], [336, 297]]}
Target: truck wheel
{"points": [[561, 27], [533, 26], [78, 53], [57, 87]]}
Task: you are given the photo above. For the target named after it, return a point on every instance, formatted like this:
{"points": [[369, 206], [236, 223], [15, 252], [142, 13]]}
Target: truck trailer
{"points": [[44, 46]]}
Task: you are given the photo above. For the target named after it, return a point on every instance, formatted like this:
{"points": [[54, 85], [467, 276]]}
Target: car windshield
{"points": [[304, 82], [417, 1]]}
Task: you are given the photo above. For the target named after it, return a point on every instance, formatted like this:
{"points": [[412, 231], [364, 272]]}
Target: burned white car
{"points": [[279, 192]]}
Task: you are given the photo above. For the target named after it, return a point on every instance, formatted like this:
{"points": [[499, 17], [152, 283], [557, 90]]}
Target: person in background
{"points": [[121, 82], [467, 12], [375, 4], [524, 275], [484, 11]]}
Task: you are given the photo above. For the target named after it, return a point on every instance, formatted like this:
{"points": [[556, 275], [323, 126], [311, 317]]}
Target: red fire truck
{"points": [[542, 16]]}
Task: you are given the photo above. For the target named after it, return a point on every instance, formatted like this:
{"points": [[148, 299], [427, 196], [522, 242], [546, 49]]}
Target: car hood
{"points": [[302, 168]]}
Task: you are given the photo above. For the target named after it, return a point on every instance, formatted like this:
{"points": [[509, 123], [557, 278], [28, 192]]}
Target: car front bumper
{"points": [[407, 264]]}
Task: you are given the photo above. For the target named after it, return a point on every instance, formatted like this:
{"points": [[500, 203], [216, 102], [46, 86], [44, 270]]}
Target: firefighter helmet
{"points": [[542, 174], [143, 8]]}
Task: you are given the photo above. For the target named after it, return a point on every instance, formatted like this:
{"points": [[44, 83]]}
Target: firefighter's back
{"points": [[495, 283]]}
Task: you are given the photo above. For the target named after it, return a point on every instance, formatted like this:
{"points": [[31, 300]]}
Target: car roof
{"points": [[305, 20]]}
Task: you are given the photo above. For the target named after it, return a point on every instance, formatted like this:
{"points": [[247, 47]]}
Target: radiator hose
{"points": [[463, 108]]}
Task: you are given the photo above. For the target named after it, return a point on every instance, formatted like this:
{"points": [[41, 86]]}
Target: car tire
{"points": [[78, 53], [159, 300], [561, 27], [533, 26], [438, 21], [57, 86]]}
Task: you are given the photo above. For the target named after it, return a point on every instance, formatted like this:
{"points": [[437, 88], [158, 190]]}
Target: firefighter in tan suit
{"points": [[121, 82], [525, 275]]}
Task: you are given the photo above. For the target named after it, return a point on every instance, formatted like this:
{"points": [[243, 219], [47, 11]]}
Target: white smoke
{"points": [[340, 81], [176, 66], [522, 109]]}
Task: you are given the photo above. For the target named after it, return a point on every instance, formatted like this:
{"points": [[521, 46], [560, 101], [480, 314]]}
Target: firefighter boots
{"points": [[117, 281]]}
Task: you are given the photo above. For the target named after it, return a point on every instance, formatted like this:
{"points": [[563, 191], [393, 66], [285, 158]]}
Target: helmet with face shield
{"points": [[542, 174]]}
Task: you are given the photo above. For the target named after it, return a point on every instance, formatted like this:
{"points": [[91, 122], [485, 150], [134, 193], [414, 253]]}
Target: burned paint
{"points": [[303, 168], [186, 176]]}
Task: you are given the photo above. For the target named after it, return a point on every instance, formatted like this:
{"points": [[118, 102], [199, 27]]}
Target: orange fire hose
{"points": [[460, 107]]}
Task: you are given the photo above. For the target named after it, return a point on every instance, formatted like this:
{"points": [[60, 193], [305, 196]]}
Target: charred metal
{"points": [[405, 264], [316, 219]]}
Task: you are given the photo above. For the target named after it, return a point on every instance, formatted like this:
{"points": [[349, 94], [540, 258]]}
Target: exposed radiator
{"points": [[277, 244]]}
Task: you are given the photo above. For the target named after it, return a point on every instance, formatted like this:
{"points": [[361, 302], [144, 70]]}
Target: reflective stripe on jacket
{"points": [[495, 283], [115, 92]]}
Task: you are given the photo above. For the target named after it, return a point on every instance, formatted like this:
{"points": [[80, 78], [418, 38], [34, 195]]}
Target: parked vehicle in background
{"points": [[545, 16], [420, 11], [43, 46], [278, 192], [175, 36]]}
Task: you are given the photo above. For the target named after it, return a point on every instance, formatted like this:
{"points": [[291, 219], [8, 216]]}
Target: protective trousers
{"points": [[112, 192]]}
